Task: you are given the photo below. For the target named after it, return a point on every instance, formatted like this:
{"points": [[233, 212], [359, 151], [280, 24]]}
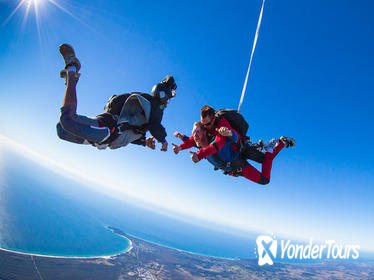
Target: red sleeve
{"points": [[217, 144], [189, 143]]}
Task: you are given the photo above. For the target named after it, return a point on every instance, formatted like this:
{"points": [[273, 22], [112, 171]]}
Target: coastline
{"points": [[177, 249], [123, 235], [72, 257]]}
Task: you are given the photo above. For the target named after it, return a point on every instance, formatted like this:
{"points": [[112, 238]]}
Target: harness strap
{"points": [[116, 131], [136, 129], [223, 163], [238, 163], [215, 146]]}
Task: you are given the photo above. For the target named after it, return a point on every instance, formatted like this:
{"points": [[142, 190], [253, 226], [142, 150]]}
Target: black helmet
{"points": [[165, 89], [169, 81]]}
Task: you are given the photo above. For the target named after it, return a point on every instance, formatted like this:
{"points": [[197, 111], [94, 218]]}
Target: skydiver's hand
{"points": [[150, 143], [194, 157], [178, 135], [224, 131], [164, 147], [176, 148]]}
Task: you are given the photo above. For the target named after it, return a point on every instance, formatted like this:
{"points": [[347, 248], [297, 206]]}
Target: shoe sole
{"points": [[290, 142], [68, 54], [66, 51]]}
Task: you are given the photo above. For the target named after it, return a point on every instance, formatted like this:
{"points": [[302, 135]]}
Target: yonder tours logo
{"points": [[267, 250]]}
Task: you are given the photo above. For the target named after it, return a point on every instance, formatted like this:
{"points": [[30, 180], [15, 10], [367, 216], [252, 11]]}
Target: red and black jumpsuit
{"points": [[247, 170]]}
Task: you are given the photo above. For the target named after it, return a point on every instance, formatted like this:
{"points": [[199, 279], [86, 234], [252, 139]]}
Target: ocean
{"points": [[38, 216], [44, 212]]}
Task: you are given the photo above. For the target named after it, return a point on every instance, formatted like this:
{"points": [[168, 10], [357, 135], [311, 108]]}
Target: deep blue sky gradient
{"points": [[312, 79]]}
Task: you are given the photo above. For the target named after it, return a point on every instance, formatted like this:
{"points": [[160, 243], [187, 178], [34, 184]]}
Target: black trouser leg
{"points": [[251, 153]]}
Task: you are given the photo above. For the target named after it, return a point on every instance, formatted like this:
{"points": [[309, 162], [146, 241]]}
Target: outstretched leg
{"points": [[252, 153], [263, 177], [88, 128], [70, 97], [71, 74], [76, 127], [67, 136], [268, 162]]}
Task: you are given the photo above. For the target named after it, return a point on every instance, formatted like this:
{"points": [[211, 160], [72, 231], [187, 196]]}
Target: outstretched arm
{"points": [[187, 144], [155, 126], [181, 136]]}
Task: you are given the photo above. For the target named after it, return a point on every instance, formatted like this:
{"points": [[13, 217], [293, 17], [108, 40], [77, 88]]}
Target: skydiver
{"points": [[228, 158], [213, 120], [126, 117]]}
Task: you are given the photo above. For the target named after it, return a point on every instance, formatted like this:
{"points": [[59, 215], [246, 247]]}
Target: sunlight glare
{"points": [[36, 3]]}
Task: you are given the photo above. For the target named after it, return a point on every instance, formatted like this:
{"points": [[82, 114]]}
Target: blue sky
{"points": [[311, 79]]}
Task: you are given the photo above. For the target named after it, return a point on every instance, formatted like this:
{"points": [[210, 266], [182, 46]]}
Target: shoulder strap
{"points": [[218, 115]]}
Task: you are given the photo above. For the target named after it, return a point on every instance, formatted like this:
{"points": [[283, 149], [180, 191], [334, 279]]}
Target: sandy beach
{"points": [[69, 257]]}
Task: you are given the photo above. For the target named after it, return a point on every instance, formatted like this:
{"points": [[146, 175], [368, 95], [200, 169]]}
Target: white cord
{"points": [[253, 50]]}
